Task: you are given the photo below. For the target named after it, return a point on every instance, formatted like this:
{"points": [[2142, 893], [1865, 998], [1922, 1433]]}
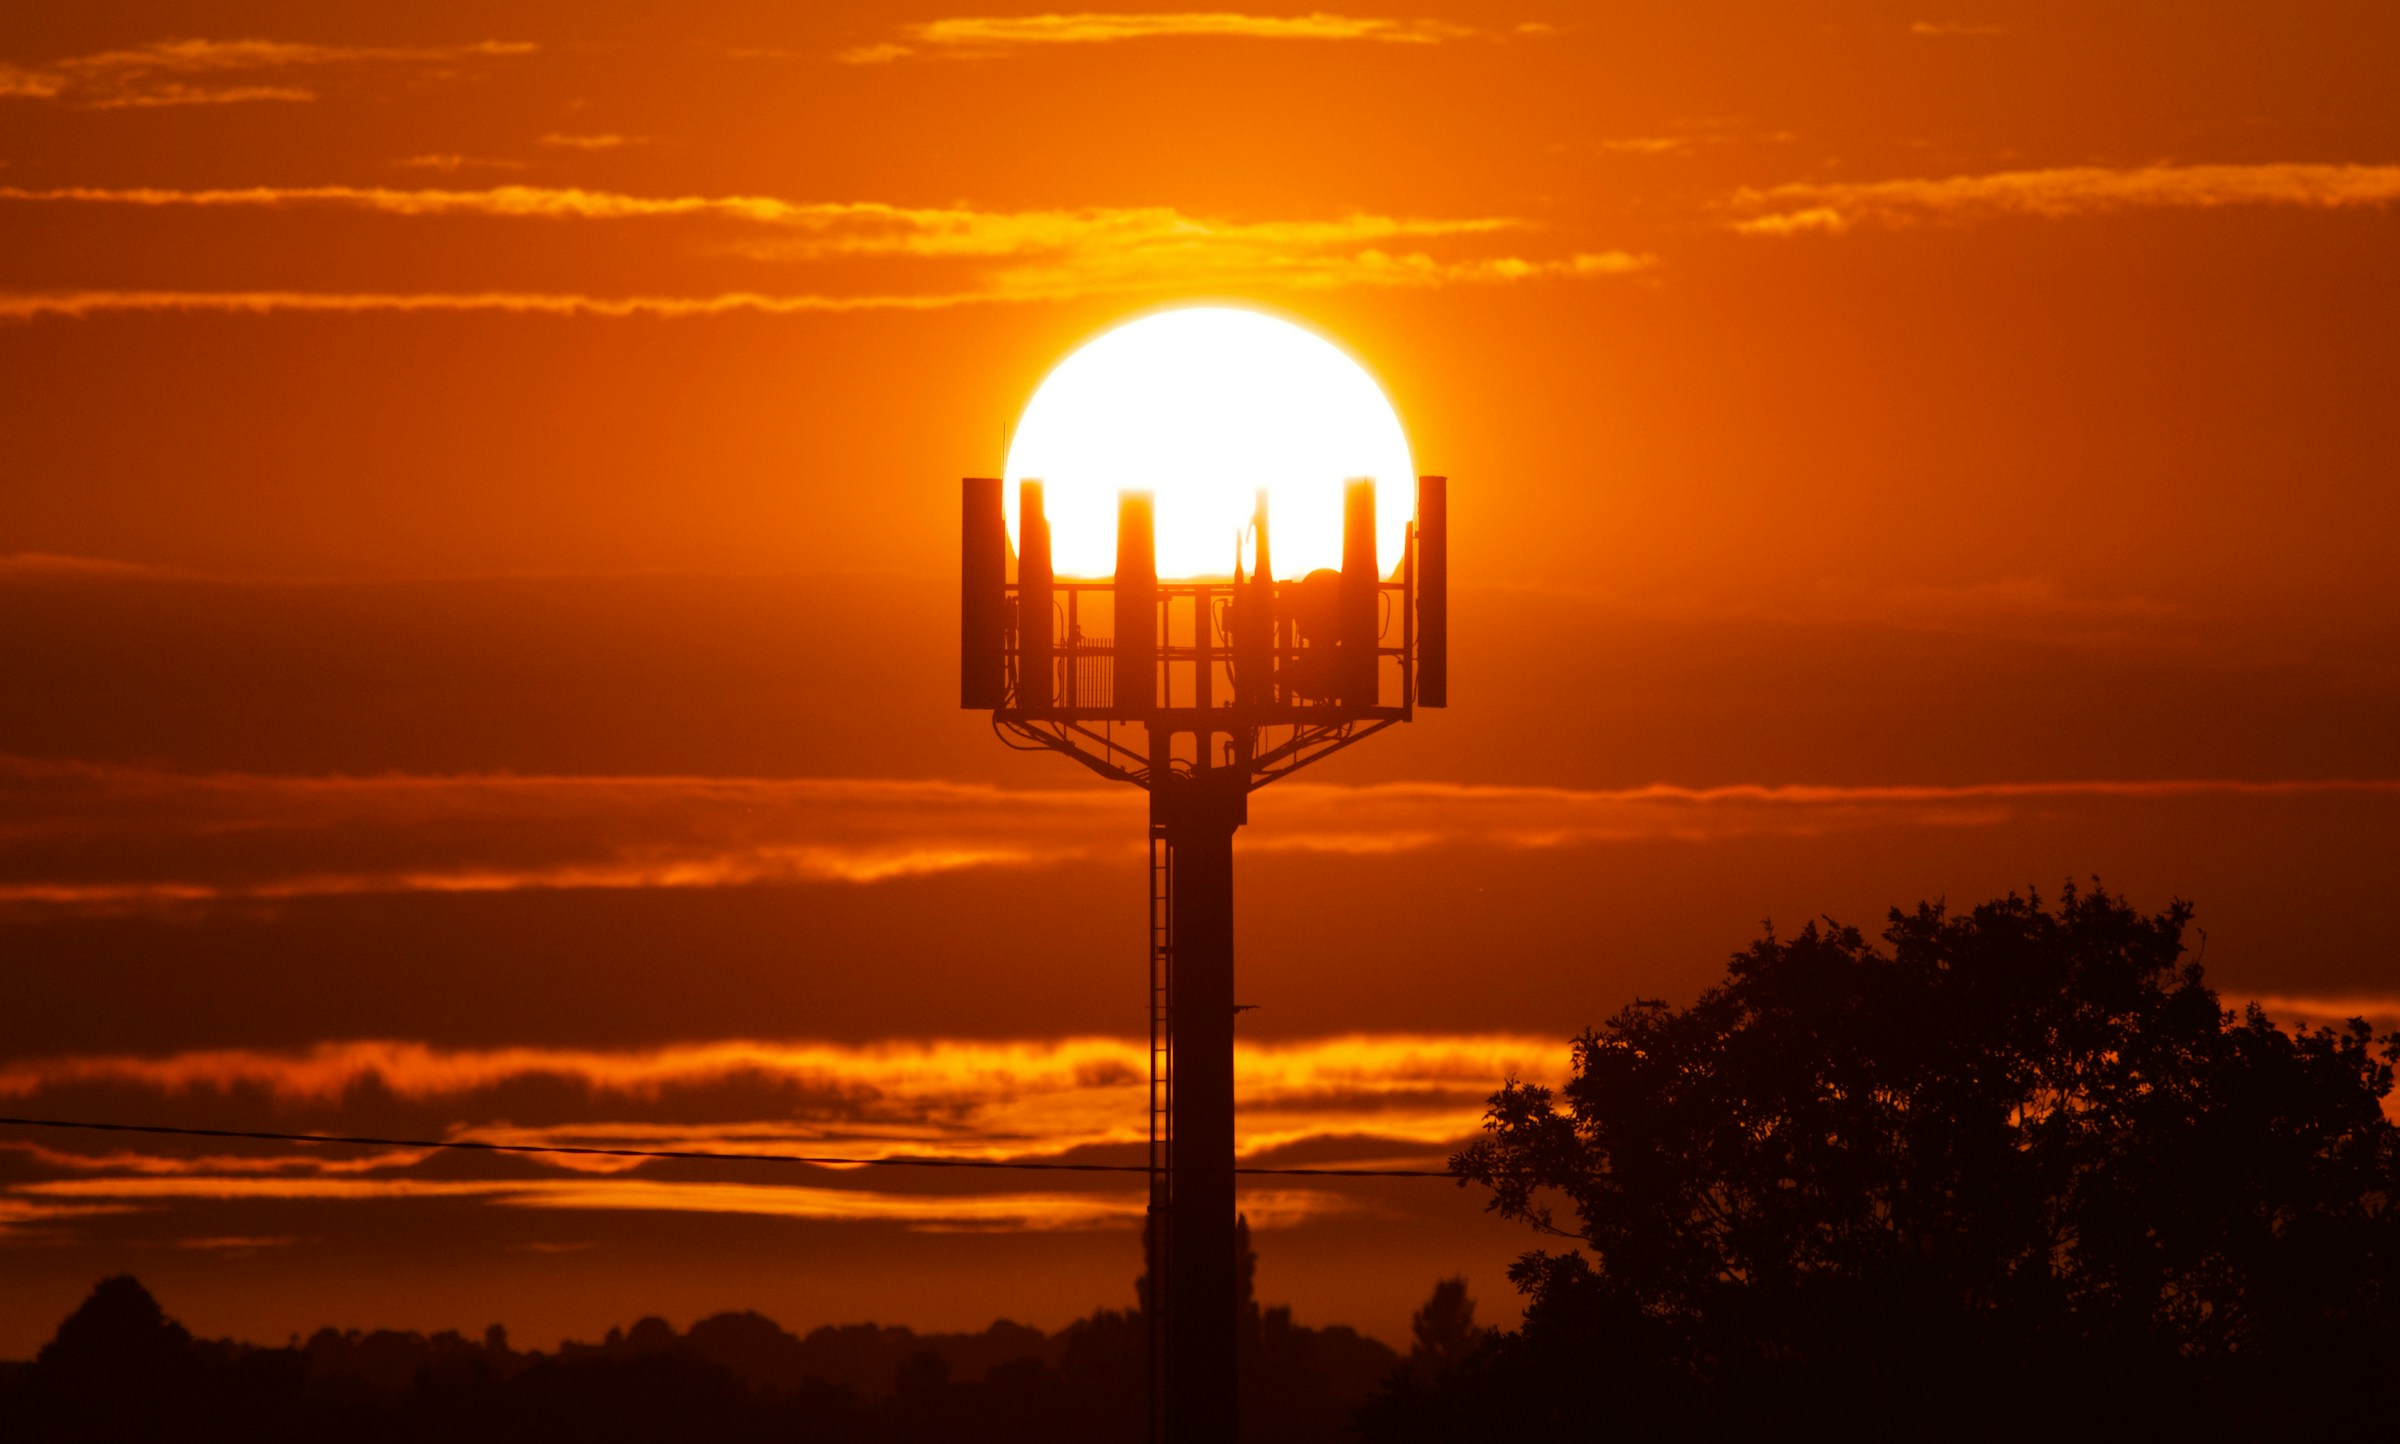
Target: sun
{"points": [[1202, 407]]}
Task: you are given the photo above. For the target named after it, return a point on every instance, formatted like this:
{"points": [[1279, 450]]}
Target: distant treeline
{"points": [[121, 1369]]}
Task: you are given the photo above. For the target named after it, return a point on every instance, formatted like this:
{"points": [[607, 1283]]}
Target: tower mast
{"points": [[1262, 678]]}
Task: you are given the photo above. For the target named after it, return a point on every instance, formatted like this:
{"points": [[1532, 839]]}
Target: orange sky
{"points": [[477, 539]]}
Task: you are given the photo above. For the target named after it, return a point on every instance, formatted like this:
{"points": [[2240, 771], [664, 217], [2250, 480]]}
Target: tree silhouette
{"points": [[1443, 1330], [120, 1369], [2018, 1171]]}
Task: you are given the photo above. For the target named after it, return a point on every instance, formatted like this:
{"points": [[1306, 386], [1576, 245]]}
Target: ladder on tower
{"points": [[1162, 1113]]}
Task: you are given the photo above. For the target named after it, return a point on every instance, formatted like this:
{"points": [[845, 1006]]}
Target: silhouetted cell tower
{"points": [[1199, 693]]}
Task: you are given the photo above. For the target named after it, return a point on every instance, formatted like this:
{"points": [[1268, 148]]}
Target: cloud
{"points": [[218, 72], [1007, 256], [848, 228], [797, 1201], [993, 1100], [1832, 207], [265, 836], [17, 83], [1367, 269], [1396, 817], [1371, 1100], [1952, 29], [133, 1161], [1120, 1207], [609, 141], [24, 306], [1691, 138], [26, 1219], [1796, 223], [992, 35], [448, 164], [177, 93], [122, 837], [1648, 144], [1361, 1100]]}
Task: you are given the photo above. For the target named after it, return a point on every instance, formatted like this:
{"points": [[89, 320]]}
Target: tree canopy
{"points": [[2016, 1169]]}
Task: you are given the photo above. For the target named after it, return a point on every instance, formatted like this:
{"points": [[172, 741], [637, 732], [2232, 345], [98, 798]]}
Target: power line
{"points": [[361, 1140]]}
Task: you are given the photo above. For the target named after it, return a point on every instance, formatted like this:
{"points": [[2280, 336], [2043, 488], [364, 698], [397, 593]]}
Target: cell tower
{"points": [[1199, 693]]}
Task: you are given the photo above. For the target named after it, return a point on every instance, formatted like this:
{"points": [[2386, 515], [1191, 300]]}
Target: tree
{"points": [[2018, 1171], [1443, 1331]]}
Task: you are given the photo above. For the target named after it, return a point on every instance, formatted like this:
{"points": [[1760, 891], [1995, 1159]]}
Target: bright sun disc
{"points": [[1202, 407]]}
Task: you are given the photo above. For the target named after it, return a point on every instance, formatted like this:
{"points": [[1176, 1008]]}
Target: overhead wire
{"points": [[589, 1150]]}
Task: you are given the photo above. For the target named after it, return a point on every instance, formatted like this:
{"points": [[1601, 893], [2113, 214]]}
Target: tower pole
{"points": [[1198, 813]]}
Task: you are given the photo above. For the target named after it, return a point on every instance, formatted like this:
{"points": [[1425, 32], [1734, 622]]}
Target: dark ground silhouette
{"points": [[2017, 1176], [120, 1369]]}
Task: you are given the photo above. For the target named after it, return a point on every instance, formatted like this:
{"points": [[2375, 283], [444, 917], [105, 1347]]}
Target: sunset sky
{"points": [[478, 544]]}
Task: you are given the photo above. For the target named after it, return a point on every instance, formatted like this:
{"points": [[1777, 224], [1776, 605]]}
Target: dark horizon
{"points": [[121, 1366]]}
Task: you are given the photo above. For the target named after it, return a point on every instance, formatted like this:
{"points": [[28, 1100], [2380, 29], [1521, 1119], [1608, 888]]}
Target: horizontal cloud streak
{"points": [[493, 833], [799, 1201], [193, 71], [847, 227], [603, 141], [1266, 1208], [1371, 1100], [24, 306], [1099, 27], [958, 1098], [129, 1161], [1361, 1100], [995, 34], [1369, 269], [1812, 206], [22, 1218], [273, 836], [1405, 816], [1029, 255], [17, 83], [175, 93], [99, 836]]}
